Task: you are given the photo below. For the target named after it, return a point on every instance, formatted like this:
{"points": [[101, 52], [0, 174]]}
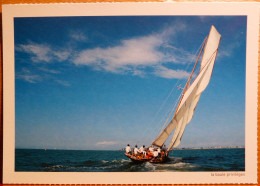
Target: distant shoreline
{"points": [[196, 148], [184, 148], [204, 148]]}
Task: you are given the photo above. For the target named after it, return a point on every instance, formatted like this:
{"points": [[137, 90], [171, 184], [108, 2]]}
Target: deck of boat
{"points": [[140, 159]]}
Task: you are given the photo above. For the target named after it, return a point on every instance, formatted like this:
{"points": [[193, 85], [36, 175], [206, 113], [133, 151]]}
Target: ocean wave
{"points": [[102, 165], [183, 165], [175, 159], [55, 168], [115, 161], [150, 166], [123, 165], [175, 166]]}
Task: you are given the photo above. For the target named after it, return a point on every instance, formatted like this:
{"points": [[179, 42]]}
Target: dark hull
{"points": [[138, 159]]}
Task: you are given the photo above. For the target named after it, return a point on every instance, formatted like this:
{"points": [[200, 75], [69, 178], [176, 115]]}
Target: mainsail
{"points": [[191, 94]]}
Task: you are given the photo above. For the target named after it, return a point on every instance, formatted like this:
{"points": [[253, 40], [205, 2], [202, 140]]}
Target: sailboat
{"points": [[189, 99]]}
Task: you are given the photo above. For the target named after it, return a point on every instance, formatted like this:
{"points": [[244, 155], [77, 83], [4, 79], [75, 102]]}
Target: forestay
{"points": [[191, 96]]}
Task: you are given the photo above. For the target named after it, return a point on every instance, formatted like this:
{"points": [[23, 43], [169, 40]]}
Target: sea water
{"points": [[33, 160]]}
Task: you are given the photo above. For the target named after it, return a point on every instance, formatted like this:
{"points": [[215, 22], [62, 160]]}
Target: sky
{"points": [[99, 83]]}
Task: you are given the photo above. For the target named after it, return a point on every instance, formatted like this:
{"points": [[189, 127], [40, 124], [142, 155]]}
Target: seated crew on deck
{"points": [[128, 149], [155, 154], [136, 150], [151, 149], [141, 150], [159, 151]]}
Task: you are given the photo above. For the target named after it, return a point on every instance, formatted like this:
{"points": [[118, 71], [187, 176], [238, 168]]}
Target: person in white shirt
{"points": [[136, 150], [155, 153], [128, 149], [141, 150], [151, 149], [159, 151]]}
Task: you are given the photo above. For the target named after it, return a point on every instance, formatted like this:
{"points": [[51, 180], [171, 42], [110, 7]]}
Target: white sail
{"points": [[189, 101], [187, 106]]}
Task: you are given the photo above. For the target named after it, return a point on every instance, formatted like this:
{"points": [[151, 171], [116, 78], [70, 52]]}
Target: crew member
{"points": [[155, 154], [128, 149], [141, 150], [159, 151], [136, 150], [151, 149]]}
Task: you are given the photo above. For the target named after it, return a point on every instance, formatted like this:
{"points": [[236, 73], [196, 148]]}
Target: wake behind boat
{"points": [[189, 99]]}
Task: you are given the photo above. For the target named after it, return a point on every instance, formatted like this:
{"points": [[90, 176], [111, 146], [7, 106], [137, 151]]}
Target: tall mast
{"points": [[191, 92], [188, 82]]}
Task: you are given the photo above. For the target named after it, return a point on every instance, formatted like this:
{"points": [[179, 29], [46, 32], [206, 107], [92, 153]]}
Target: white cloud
{"points": [[171, 31], [26, 75], [169, 73], [49, 70], [64, 83], [61, 55], [131, 56], [43, 53], [106, 143], [223, 53], [29, 78], [135, 54], [177, 55], [78, 36], [138, 72], [228, 50], [39, 52]]}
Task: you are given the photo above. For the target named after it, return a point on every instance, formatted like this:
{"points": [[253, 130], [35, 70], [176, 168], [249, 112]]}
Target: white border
{"points": [[103, 9]]}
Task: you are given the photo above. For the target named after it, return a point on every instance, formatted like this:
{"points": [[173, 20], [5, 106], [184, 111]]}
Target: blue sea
{"points": [[115, 161]]}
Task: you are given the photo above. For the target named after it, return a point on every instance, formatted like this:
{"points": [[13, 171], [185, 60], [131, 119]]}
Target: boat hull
{"points": [[140, 159]]}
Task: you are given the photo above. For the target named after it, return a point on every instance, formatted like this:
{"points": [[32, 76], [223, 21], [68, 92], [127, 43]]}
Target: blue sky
{"points": [[100, 82]]}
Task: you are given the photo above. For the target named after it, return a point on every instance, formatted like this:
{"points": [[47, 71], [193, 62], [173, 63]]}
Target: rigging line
{"points": [[170, 114], [210, 58], [193, 58], [187, 84], [208, 61], [206, 66], [163, 104]]}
